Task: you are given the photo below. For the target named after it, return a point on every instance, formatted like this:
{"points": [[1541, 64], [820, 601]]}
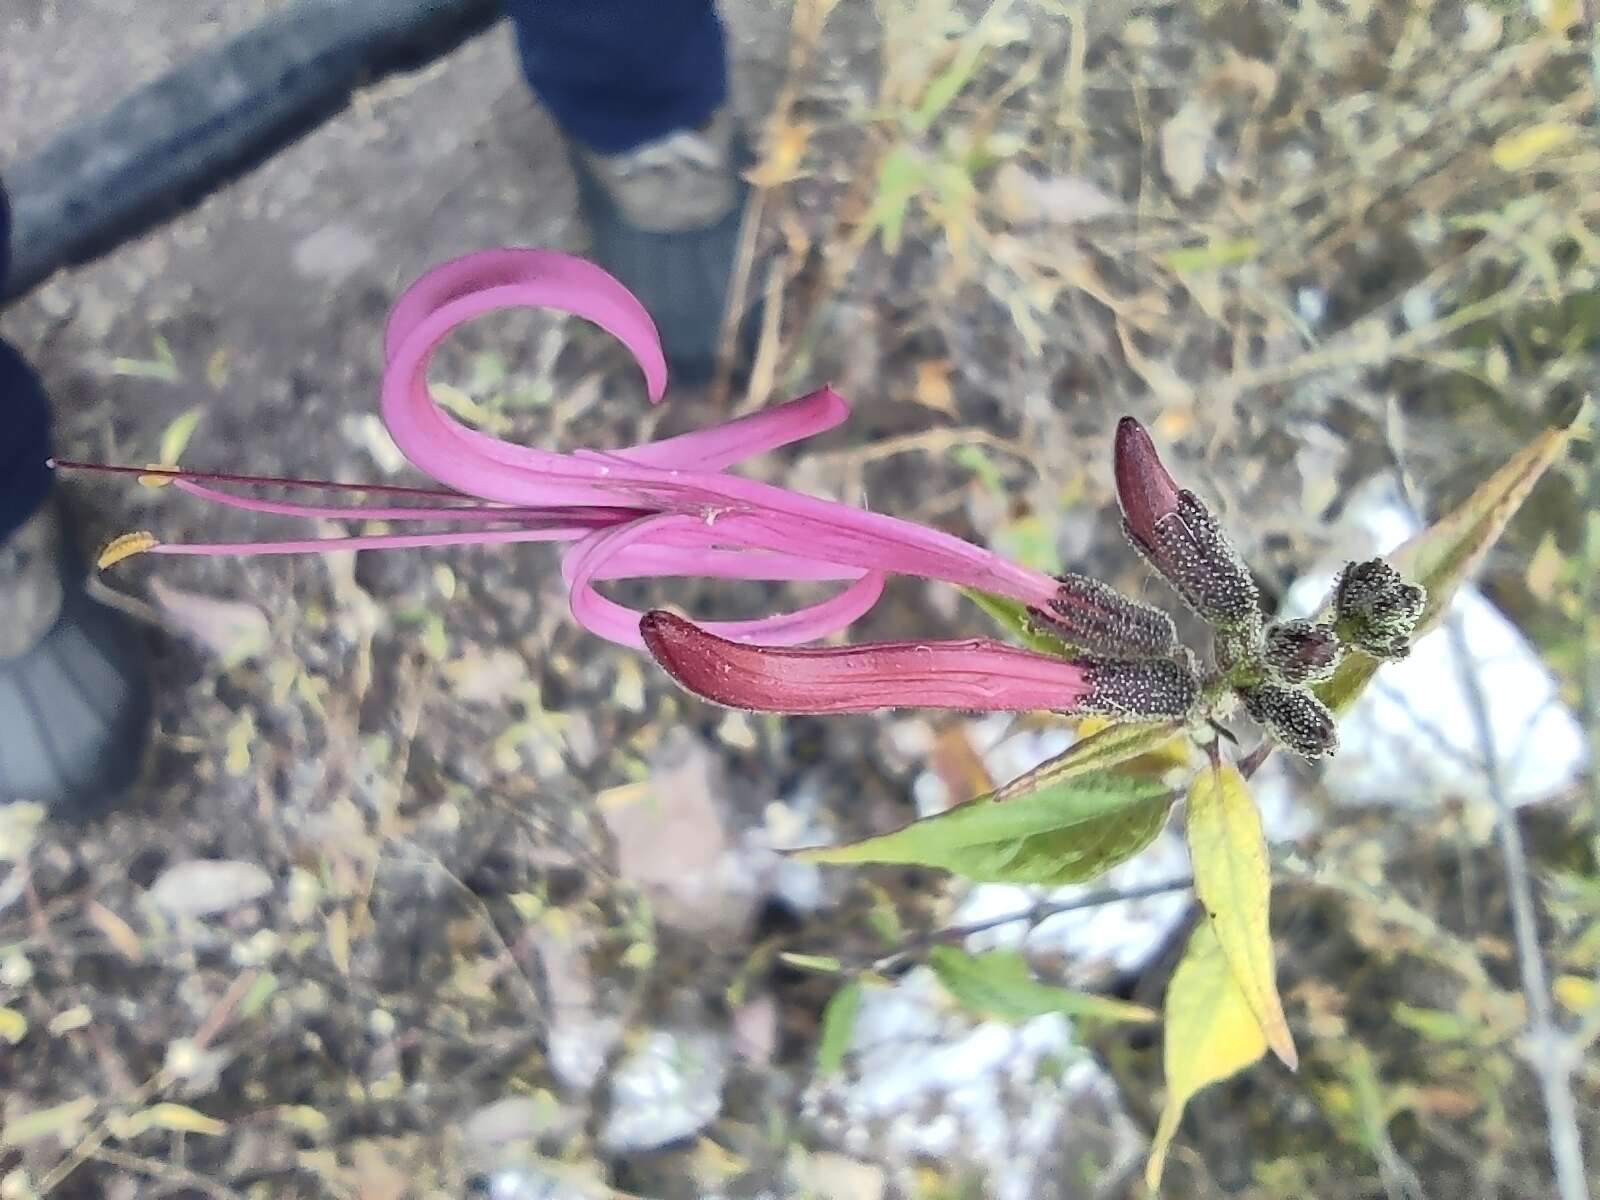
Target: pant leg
{"points": [[24, 422], [616, 74]]}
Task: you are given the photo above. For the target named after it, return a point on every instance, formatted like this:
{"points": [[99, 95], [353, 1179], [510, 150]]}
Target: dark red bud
{"points": [[1145, 490], [1179, 537]]}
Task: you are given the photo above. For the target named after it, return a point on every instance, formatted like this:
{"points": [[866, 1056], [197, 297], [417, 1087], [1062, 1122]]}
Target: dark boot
{"points": [[664, 218], [74, 695]]}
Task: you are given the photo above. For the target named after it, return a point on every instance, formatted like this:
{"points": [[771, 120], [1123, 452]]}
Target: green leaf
{"points": [[1210, 1034], [838, 1023], [175, 438], [950, 82], [1111, 746], [1229, 853], [901, 176], [1066, 833], [1013, 617], [817, 964], [1213, 255], [1442, 556], [999, 984]]}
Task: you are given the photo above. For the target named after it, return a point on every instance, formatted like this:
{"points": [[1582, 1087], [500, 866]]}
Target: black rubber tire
{"points": [[173, 142]]}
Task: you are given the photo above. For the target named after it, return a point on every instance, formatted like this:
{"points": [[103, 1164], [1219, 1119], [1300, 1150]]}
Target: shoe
{"points": [[664, 218], [74, 692]]}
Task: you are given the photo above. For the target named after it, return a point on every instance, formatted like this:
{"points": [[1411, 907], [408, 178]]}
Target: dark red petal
{"points": [[1144, 489], [977, 674]]}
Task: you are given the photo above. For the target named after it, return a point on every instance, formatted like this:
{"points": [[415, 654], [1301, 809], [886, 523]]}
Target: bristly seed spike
{"points": [[1100, 620]]}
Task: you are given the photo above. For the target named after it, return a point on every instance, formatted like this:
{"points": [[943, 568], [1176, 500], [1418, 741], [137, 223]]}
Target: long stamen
{"points": [[381, 541], [416, 512], [175, 473]]}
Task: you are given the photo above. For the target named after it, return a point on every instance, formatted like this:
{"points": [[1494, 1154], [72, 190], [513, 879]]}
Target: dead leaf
{"points": [[933, 386], [958, 765], [230, 629], [1022, 198], [672, 842], [786, 150], [1544, 569], [115, 930]]}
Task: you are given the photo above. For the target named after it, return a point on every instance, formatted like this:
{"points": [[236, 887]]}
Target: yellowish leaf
{"points": [[175, 438], [178, 1118], [13, 1025], [1576, 994], [1544, 568], [1210, 1034], [115, 930], [1522, 148], [1232, 879], [240, 739], [72, 1019], [338, 935], [63, 1120]]}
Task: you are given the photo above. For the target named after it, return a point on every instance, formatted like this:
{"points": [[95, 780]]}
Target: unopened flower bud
{"points": [[1146, 690], [1376, 610], [1302, 652], [1097, 618], [1180, 538], [1295, 719]]}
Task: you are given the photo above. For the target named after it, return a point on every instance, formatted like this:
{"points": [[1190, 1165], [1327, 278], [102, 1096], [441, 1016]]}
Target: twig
{"points": [[169, 1174], [1033, 915], [1547, 1051]]}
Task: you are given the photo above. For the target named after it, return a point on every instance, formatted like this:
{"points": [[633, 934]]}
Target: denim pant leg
{"points": [[616, 74], [24, 421], [24, 442]]}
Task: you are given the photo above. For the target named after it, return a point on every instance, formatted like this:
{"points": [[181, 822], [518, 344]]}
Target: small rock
{"points": [[672, 841], [333, 253], [667, 1090], [208, 887], [230, 629], [581, 1037], [506, 1122]]}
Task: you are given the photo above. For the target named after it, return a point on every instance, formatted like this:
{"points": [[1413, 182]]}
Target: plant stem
{"points": [[1547, 1051]]}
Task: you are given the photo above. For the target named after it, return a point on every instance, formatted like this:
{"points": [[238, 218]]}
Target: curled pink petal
{"points": [[723, 445], [595, 558], [976, 674]]}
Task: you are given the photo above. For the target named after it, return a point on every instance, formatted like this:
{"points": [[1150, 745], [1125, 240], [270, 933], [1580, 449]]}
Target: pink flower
{"points": [[659, 509], [976, 675]]}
